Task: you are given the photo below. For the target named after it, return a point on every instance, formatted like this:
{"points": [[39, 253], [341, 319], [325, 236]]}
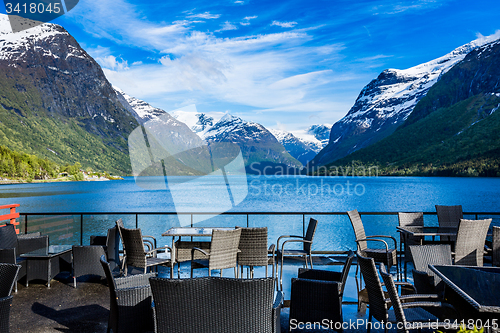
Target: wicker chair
{"points": [[495, 240], [409, 220], [86, 261], [135, 254], [113, 249], [223, 252], [378, 303], [254, 251], [216, 304], [471, 236], [426, 281], [129, 302], [449, 216], [317, 295], [13, 245], [412, 313], [385, 255], [307, 241], [8, 277]]}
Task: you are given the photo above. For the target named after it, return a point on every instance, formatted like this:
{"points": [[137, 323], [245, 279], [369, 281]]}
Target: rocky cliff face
{"points": [[301, 150], [386, 102], [47, 80]]}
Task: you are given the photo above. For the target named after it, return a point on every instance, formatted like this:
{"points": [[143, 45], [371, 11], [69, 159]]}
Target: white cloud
{"points": [[227, 26], [246, 20], [284, 24], [112, 63], [205, 15]]}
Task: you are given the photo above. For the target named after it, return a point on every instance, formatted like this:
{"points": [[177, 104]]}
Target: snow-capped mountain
{"points": [[56, 102], [259, 147], [198, 122], [386, 102], [294, 146], [141, 110]]}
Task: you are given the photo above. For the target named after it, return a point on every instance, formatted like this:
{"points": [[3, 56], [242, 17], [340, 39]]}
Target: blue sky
{"points": [[284, 64]]}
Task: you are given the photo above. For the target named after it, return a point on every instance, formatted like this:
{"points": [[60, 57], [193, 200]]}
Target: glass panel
{"points": [[155, 225], [333, 233], [278, 225], [61, 229], [98, 225]]}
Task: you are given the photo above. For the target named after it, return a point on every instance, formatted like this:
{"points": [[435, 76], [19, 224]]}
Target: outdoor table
{"points": [[189, 232], [473, 291], [46, 263]]}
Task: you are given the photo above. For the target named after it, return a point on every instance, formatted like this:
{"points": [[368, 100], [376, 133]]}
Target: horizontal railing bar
{"points": [[238, 213]]}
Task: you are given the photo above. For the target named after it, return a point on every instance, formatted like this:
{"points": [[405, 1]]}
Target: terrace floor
{"points": [[62, 308]]}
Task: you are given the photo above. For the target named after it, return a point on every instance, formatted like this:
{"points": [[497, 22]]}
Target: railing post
{"points": [[248, 226], [303, 224], [136, 221], [81, 229]]}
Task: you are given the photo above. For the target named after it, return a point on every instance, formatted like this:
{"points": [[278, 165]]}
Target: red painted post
{"points": [[12, 216]]}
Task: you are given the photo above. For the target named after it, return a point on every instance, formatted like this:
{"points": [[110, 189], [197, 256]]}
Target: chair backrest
{"points": [[8, 276], [8, 238], [378, 305], [110, 280], [393, 295], [224, 248], [359, 229], [113, 247], [311, 230], [411, 219], [495, 240], [449, 216], [133, 247], [425, 255], [213, 304], [471, 236], [86, 260], [253, 247]]}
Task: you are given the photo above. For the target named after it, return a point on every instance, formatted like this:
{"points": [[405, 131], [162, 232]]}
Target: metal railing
{"points": [[335, 234]]}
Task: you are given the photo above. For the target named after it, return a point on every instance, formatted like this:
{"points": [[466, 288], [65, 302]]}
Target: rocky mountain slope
{"points": [[453, 130], [261, 151], [56, 103], [303, 151], [386, 102]]}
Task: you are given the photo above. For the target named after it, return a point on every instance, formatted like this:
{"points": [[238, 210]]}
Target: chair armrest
{"points": [[154, 251], [132, 281], [29, 244], [149, 239], [417, 297], [406, 284], [285, 236], [374, 240], [294, 241], [271, 249], [8, 256], [194, 249], [278, 304], [385, 236]]}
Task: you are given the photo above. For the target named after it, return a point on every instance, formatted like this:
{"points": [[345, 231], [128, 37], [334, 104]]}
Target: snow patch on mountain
{"points": [[198, 122]]}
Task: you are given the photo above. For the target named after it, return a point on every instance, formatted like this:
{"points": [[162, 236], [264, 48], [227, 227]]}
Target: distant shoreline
{"points": [[56, 180]]}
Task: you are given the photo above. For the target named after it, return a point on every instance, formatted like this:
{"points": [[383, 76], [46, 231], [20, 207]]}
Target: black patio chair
{"points": [[129, 302], [86, 261]]}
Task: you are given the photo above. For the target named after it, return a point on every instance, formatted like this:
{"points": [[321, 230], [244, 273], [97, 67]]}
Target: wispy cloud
{"points": [[205, 15], [246, 20], [284, 24], [227, 26]]}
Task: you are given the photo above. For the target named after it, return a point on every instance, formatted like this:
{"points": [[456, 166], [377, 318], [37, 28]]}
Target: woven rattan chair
{"points": [[409, 220], [471, 236], [254, 251], [409, 314], [223, 252], [378, 303], [216, 304], [130, 302], [135, 253], [386, 255], [449, 216], [8, 277], [317, 295], [426, 281], [307, 241], [495, 241], [13, 245], [86, 261]]}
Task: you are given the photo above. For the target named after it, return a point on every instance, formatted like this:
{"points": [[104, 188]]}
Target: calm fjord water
{"points": [[265, 194]]}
